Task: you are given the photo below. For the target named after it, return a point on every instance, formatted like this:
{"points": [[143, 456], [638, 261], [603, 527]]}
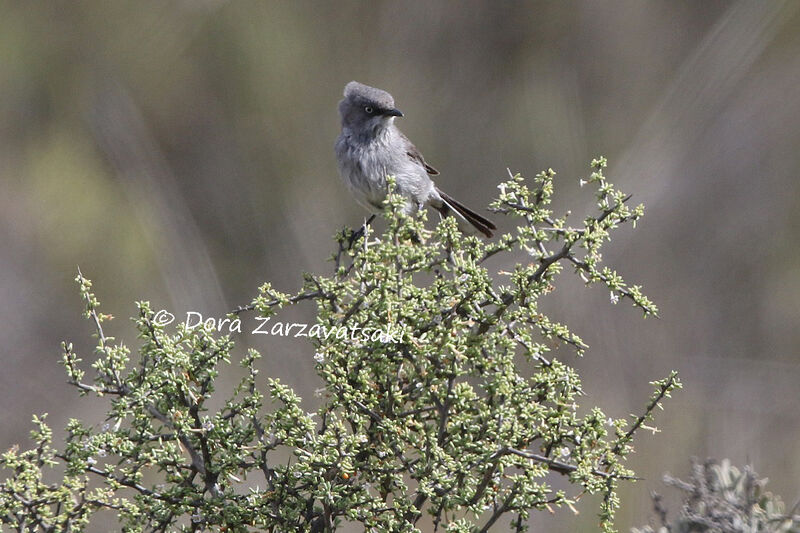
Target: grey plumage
{"points": [[370, 148]]}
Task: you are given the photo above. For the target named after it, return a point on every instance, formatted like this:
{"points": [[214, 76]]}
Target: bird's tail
{"points": [[463, 214]]}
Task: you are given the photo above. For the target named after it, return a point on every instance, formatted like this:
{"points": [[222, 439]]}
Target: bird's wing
{"points": [[416, 155]]}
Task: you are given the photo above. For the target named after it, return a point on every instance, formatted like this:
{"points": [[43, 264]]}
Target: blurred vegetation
{"points": [[182, 152], [721, 498]]}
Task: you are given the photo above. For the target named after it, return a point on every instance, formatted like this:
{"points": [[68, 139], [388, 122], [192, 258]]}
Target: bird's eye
{"points": [[368, 109]]}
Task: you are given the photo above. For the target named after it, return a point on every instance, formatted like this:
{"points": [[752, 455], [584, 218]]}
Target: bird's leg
{"points": [[361, 232]]}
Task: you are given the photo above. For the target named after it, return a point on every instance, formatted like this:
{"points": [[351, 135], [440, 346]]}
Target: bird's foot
{"points": [[360, 233]]}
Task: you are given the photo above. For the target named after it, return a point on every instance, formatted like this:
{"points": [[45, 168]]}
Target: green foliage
{"points": [[720, 498], [441, 402]]}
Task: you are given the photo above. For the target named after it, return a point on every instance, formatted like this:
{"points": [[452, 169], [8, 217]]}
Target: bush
{"points": [[458, 412]]}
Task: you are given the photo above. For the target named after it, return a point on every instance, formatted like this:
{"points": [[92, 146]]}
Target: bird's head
{"points": [[366, 110]]}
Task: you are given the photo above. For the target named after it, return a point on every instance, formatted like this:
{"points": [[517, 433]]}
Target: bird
{"points": [[371, 147]]}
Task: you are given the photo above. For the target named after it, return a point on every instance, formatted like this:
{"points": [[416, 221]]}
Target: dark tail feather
{"points": [[480, 223]]}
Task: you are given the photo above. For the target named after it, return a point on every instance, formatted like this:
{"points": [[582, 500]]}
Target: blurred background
{"points": [[182, 153]]}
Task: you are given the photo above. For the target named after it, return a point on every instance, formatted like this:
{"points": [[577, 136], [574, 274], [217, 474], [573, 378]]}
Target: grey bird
{"points": [[371, 147]]}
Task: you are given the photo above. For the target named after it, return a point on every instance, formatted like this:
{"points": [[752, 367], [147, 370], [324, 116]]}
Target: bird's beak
{"points": [[393, 113]]}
